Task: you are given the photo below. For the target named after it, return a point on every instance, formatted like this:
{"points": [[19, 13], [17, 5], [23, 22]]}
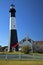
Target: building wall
{"points": [[38, 46]]}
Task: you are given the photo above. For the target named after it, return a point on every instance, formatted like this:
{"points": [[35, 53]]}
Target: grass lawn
{"points": [[21, 62], [11, 52], [20, 53]]}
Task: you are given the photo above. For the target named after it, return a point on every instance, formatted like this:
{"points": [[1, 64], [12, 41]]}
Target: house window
{"points": [[29, 40], [24, 40]]}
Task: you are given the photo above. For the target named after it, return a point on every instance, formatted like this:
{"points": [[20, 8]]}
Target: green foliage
{"points": [[26, 49]]}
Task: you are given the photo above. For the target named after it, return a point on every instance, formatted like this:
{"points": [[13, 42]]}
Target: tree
{"points": [[0, 48], [26, 49]]}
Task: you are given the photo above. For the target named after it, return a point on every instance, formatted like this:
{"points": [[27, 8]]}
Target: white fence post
{"points": [[20, 56], [6, 56]]}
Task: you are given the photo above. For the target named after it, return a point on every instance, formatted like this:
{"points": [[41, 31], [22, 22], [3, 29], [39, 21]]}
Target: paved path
{"points": [[20, 57]]}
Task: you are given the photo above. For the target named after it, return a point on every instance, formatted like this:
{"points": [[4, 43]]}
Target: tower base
{"points": [[13, 40]]}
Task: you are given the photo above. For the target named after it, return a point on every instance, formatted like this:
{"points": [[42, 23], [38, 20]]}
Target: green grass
{"points": [[35, 54], [18, 62], [11, 52]]}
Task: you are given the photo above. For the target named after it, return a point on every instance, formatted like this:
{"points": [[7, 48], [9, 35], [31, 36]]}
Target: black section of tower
{"points": [[13, 32], [12, 11]]}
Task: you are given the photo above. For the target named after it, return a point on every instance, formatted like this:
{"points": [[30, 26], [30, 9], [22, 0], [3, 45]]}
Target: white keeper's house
{"points": [[26, 41]]}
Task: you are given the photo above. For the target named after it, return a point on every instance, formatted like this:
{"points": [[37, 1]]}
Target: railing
{"points": [[19, 57]]}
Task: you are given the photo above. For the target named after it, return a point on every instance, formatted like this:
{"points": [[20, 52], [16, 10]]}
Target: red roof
{"points": [[15, 45]]}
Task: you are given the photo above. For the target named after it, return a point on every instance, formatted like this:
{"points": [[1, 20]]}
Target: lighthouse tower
{"points": [[13, 43]]}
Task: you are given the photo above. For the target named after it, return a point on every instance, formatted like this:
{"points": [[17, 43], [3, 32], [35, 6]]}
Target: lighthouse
{"points": [[13, 39]]}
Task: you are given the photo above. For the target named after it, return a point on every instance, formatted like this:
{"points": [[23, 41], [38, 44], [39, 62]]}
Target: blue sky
{"points": [[29, 19]]}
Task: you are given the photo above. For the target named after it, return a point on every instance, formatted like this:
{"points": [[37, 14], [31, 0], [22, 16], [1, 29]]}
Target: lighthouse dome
{"points": [[12, 6]]}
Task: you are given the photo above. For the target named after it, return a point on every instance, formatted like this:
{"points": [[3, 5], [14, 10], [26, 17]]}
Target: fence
{"points": [[19, 57]]}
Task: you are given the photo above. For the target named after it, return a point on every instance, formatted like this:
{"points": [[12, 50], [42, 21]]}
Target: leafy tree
{"points": [[26, 49]]}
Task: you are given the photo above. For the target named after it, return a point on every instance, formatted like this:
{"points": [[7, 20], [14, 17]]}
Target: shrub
{"points": [[26, 49]]}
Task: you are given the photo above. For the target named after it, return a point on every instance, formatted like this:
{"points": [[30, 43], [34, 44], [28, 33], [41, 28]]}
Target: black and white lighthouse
{"points": [[13, 43]]}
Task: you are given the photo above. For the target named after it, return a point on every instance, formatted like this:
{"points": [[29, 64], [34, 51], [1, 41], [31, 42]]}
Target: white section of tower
{"points": [[12, 23]]}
